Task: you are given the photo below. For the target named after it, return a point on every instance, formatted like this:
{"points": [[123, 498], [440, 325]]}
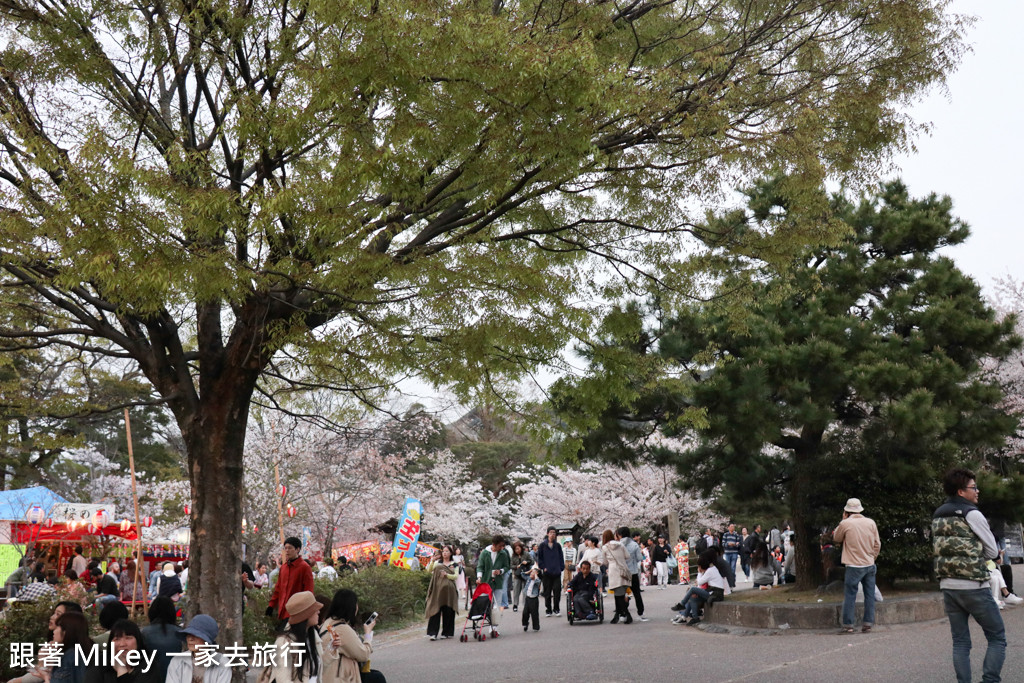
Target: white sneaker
{"points": [[1012, 599], [643, 618], [1001, 604]]}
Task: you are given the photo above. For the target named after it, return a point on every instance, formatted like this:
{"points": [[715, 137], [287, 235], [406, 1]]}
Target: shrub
{"points": [[25, 622], [395, 594]]}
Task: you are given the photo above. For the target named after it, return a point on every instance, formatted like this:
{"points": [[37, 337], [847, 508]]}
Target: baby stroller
{"points": [[479, 613]]}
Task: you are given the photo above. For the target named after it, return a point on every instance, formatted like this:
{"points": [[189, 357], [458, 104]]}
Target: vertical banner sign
{"points": [[407, 535]]}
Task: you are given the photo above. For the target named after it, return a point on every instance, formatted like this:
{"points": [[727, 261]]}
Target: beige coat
{"points": [[341, 663], [860, 540], [618, 567], [283, 668]]}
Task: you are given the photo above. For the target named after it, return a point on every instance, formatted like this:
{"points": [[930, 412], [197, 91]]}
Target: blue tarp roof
{"points": [[14, 504]]}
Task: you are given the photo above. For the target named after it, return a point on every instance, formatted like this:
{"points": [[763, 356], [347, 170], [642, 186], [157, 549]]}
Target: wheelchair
{"points": [[596, 602]]}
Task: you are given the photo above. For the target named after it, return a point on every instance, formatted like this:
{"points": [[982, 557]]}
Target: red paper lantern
{"points": [[291, 510], [92, 528], [100, 518], [125, 525], [188, 509], [255, 528], [281, 490], [147, 521], [48, 523]]}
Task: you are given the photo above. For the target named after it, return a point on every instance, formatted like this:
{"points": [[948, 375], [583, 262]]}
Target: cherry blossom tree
{"points": [[457, 507], [97, 479], [1009, 300], [598, 497]]}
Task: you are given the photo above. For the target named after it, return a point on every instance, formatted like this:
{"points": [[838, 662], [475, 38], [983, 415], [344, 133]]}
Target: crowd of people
{"points": [[332, 651], [318, 638]]}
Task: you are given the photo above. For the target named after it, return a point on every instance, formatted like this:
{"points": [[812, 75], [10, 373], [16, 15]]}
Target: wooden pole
{"points": [[140, 575], [280, 508]]}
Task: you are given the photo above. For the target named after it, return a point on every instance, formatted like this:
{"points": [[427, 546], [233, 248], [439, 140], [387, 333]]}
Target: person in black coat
{"points": [[125, 636]]}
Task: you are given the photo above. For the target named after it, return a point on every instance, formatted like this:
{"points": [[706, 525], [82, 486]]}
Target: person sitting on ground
{"points": [[110, 615], [710, 584], [131, 585], [126, 638], [107, 590], [763, 567], [169, 584], [724, 569], [70, 631], [1000, 593], [37, 590], [36, 674], [59, 610], [345, 566], [19, 577], [204, 665], [37, 575], [162, 632], [584, 591], [73, 587], [345, 651], [328, 572]]}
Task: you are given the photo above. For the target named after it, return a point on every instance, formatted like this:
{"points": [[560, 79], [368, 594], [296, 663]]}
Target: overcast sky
{"points": [[976, 150]]}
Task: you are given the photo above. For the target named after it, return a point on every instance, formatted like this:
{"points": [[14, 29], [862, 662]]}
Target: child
{"points": [[532, 608]]}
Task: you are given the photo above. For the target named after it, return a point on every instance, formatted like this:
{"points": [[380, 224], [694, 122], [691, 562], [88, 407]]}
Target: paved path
{"points": [[660, 651]]}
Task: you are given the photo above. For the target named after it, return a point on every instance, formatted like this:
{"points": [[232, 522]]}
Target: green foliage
{"points": [[853, 373], [444, 188], [24, 622], [397, 595]]}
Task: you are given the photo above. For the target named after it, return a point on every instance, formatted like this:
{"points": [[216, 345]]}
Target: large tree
{"points": [[853, 373], [245, 198]]}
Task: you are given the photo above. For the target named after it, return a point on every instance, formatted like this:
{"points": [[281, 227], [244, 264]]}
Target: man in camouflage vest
{"points": [[963, 545]]}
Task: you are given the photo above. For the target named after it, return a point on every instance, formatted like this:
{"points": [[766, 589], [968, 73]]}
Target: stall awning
{"points": [[15, 504], [23, 532]]}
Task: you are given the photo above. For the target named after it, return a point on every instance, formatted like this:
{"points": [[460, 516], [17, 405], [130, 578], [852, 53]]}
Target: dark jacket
{"points": [[169, 586], [750, 543], [107, 586], [550, 558], [106, 674], [69, 671], [660, 553], [584, 585], [725, 570], [163, 638]]}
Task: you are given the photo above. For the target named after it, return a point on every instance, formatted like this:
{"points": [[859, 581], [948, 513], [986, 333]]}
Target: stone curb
{"points": [[763, 617]]}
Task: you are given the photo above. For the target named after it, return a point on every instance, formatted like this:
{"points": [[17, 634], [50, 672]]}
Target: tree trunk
{"points": [[809, 571], [215, 441]]}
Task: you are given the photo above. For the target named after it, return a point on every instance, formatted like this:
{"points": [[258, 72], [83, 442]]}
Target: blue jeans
{"points": [[694, 600], [864, 576], [504, 592], [977, 603], [499, 596], [730, 559]]}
